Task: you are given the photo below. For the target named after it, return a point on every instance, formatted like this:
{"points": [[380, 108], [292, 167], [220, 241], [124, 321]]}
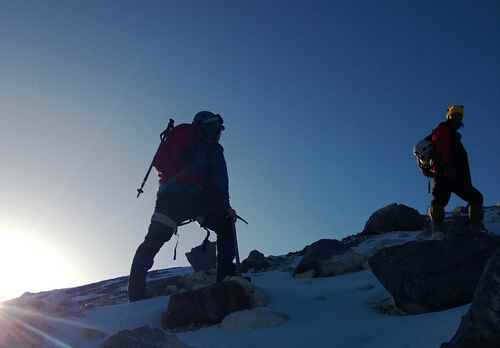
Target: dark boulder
{"points": [[328, 257], [433, 275], [395, 217], [143, 337], [158, 287], [255, 262], [208, 305], [480, 327]]}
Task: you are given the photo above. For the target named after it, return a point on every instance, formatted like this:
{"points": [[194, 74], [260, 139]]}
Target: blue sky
{"points": [[323, 102]]}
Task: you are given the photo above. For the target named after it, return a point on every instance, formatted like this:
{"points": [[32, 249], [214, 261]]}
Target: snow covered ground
{"points": [[348, 311], [339, 312], [333, 312]]}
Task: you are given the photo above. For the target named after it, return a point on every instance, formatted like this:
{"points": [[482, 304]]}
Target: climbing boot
{"points": [[476, 216], [436, 214]]}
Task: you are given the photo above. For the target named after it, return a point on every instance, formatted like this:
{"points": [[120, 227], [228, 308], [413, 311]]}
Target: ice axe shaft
{"points": [[236, 251], [235, 238]]}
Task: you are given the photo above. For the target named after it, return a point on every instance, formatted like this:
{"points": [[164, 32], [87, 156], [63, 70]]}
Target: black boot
{"points": [[137, 278]]}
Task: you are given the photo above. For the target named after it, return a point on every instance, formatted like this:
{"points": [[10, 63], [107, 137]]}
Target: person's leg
{"points": [[441, 194], [226, 252], [157, 235], [475, 199], [162, 227]]}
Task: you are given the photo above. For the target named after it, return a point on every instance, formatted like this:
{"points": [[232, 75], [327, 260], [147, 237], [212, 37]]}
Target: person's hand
{"points": [[231, 214]]}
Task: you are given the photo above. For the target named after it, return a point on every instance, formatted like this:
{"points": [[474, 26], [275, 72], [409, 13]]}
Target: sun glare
{"points": [[29, 261]]}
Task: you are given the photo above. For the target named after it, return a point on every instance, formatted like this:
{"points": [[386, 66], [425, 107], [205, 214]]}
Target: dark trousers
{"points": [[180, 207], [442, 190]]}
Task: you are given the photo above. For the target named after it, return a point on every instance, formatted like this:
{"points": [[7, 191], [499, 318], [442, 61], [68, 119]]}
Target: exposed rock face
{"points": [[433, 275], [72, 301], [395, 217], [203, 257], [209, 305], [255, 262], [159, 287], [143, 337], [480, 327], [190, 282], [328, 257]]}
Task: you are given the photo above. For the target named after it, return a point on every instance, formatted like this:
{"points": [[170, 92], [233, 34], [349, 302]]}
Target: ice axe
{"points": [[163, 138], [235, 238]]}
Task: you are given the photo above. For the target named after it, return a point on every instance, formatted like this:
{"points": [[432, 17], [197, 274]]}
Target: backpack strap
{"points": [[205, 241], [165, 220], [175, 248], [169, 222]]}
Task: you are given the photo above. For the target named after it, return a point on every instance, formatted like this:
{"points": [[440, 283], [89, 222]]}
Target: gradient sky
{"points": [[323, 102]]}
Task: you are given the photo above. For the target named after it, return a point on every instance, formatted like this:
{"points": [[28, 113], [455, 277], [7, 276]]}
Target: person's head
{"points": [[211, 125], [455, 116]]}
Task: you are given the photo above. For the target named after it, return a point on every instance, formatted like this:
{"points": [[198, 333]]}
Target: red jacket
{"points": [[451, 157], [442, 140]]}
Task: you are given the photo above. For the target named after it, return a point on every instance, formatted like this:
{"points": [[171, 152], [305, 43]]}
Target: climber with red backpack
{"points": [[443, 157], [193, 186]]}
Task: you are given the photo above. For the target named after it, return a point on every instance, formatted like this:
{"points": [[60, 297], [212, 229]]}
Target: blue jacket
{"points": [[207, 161]]}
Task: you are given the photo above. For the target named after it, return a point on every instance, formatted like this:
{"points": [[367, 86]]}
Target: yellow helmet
{"points": [[455, 112]]}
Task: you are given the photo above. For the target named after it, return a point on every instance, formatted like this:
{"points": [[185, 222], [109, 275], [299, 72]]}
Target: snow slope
{"points": [[339, 312], [348, 311]]}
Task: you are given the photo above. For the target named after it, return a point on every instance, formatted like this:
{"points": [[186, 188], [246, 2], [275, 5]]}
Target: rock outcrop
{"points": [[210, 305], [143, 337], [480, 327], [433, 275], [395, 217], [328, 257]]}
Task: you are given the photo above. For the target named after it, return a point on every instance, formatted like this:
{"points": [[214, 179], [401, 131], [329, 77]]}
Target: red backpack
{"points": [[176, 151]]}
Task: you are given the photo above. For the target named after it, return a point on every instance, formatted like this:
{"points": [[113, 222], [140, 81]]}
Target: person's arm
{"points": [[220, 177]]}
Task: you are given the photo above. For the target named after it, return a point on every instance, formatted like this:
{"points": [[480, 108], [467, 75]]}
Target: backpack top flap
{"points": [[175, 153]]}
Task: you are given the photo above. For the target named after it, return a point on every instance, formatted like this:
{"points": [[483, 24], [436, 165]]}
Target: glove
{"points": [[231, 214]]}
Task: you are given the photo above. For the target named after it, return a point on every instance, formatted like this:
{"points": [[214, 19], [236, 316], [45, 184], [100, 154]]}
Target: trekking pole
{"points": [[240, 218], [163, 138]]}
